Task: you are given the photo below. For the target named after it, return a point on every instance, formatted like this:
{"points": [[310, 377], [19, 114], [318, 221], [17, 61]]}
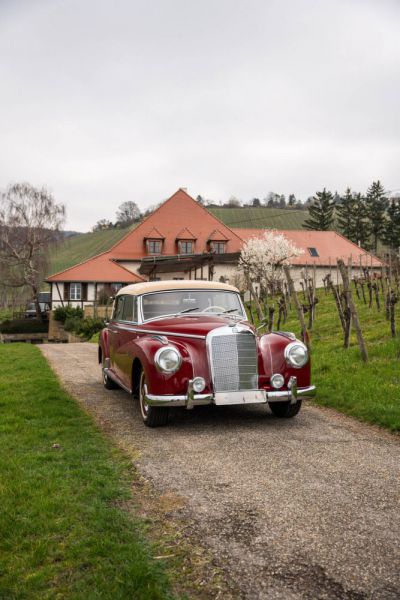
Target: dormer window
{"points": [[218, 247], [185, 241], [186, 246], [154, 246]]}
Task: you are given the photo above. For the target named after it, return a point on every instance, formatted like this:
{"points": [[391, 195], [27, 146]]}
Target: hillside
{"points": [[79, 247], [82, 246], [270, 218]]}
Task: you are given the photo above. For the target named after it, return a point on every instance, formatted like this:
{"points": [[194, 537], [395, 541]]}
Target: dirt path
{"points": [[305, 508]]}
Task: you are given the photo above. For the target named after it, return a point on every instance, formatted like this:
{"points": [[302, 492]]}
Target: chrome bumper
{"points": [[293, 393]]}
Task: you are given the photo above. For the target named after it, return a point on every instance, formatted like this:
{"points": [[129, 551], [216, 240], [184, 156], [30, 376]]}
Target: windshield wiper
{"points": [[229, 310], [187, 310]]}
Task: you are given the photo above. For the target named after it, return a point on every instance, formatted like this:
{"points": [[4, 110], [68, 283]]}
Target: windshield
{"points": [[190, 302]]}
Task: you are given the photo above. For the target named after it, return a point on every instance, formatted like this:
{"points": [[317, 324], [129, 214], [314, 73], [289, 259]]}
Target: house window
{"points": [[219, 247], [313, 252], [154, 246], [75, 291], [186, 247]]}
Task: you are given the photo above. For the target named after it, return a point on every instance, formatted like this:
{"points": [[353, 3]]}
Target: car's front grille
{"points": [[233, 359]]}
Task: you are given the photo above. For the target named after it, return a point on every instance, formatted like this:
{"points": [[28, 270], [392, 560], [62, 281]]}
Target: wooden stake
{"points": [[300, 314], [353, 310]]}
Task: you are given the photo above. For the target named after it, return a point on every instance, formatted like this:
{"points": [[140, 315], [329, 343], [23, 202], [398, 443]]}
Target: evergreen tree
{"points": [[377, 206], [291, 200], [321, 212], [345, 214], [391, 235], [360, 230]]}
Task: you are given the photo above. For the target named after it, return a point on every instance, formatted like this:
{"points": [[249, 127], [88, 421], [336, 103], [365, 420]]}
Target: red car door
{"points": [[123, 336]]}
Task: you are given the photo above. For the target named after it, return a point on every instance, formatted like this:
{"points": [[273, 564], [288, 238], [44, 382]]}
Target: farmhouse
{"points": [[182, 240]]}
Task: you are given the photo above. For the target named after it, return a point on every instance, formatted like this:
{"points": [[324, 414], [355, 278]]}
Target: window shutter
{"points": [[84, 291], [66, 291]]}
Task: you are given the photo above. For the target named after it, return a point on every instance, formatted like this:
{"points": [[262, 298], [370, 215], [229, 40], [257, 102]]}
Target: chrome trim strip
{"points": [[117, 380], [165, 333]]}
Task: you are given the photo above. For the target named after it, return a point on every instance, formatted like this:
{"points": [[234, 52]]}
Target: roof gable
{"points": [[217, 236], [178, 213], [185, 234], [154, 234], [100, 268]]}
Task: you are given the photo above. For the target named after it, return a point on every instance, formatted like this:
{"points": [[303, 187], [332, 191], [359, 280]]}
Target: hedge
{"points": [[24, 326]]}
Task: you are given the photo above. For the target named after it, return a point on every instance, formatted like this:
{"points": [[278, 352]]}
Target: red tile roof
{"points": [[330, 246], [181, 210], [100, 268], [154, 234], [185, 234], [217, 236], [181, 217]]}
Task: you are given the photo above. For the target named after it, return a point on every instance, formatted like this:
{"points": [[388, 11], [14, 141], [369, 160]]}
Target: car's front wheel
{"points": [[285, 410], [153, 416]]}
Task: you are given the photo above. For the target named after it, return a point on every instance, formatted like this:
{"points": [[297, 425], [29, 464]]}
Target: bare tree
{"points": [[30, 223], [128, 213]]}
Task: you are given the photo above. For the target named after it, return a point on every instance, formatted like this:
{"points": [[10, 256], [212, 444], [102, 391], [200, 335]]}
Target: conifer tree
{"points": [[377, 206], [391, 235], [345, 214], [321, 212], [360, 229]]}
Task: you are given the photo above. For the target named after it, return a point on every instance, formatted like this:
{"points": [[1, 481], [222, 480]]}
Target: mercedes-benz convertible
{"points": [[189, 343]]}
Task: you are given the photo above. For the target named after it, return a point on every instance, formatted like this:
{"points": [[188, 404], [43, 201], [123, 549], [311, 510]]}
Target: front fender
{"points": [[271, 360], [144, 350]]}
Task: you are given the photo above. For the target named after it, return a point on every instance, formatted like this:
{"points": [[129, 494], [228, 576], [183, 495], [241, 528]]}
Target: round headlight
{"points": [[168, 359], [277, 381], [296, 354]]}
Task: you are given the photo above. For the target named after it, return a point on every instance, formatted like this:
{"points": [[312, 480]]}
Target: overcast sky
{"points": [[128, 100]]}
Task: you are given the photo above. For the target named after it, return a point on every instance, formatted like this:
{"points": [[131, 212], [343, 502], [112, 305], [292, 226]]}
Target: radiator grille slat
{"points": [[234, 362]]}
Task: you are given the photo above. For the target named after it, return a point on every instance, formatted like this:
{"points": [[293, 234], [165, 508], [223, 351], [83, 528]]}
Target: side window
{"points": [[118, 307], [127, 310]]}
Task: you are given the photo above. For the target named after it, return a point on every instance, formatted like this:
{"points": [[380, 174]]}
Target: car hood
{"points": [[189, 325]]}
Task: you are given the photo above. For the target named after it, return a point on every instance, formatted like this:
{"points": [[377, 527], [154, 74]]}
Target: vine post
{"points": [[299, 309], [349, 299]]}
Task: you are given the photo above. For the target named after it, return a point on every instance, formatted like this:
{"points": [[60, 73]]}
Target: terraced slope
{"points": [[82, 246], [270, 218]]}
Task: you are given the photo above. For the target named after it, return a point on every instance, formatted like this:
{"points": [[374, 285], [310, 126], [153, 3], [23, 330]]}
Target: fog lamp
{"points": [[277, 381], [198, 384]]}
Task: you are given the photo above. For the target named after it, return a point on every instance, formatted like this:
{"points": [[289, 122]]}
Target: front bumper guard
{"points": [[292, 394]]}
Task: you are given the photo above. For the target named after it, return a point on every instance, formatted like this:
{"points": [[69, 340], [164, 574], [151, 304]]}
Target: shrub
{"points": [[72, 324], [62, 313], [84, 327], [24, 326]]}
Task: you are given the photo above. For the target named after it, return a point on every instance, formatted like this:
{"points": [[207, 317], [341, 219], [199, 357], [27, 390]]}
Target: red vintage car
{"points": [[189, 343]]}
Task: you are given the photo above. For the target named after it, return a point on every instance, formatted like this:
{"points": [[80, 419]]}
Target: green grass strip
{"points": [[62, 533]]}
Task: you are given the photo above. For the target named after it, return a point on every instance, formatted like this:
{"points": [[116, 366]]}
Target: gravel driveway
{"points": [[304, 508]]}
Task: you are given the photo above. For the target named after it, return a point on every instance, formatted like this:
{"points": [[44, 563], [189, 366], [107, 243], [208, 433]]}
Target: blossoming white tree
{"points": [[262, 258]]}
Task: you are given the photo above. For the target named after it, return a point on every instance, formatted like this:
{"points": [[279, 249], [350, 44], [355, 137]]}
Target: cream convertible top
{"points": [[187, 284]]}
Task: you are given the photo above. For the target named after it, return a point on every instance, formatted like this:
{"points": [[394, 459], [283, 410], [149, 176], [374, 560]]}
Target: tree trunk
{"points": [[335, 293], [256, 300]]}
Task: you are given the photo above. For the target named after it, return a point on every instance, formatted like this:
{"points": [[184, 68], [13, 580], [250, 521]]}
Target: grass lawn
{"points": [[62, 533], [370, 392]]}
